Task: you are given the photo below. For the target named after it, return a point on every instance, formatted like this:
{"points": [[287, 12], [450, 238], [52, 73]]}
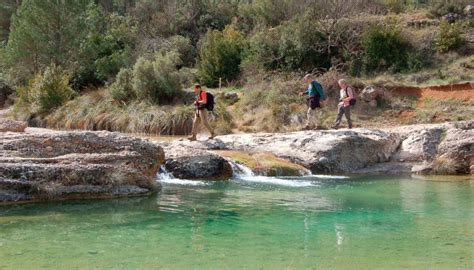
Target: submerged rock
{"points": [[42, 164]]}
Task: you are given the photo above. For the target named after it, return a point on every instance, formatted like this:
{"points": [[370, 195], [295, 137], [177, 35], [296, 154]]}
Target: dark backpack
{"points": [[352, 102], [320, 90], [210, 101]]}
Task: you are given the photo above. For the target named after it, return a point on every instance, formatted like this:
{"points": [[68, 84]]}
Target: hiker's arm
{"points": [[350, 94], [203, 101]]}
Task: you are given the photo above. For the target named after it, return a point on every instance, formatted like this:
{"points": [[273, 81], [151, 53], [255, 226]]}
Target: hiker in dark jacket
{"points": [[201, 114], [313, 102]]}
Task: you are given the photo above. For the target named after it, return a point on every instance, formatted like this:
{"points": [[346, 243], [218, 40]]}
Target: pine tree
{"points": [[45, 32]]}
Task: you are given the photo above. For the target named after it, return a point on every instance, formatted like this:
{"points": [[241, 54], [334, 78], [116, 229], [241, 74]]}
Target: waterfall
{"points": [[245, 174], [163, 174]]}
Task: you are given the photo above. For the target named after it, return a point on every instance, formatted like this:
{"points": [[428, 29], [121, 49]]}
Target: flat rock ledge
{"points": [[41, 164], [446, 148]]}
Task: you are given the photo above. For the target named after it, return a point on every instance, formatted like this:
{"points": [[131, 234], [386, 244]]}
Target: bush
{"points": [[157, 81], [47, 91], [122, 88], [449, 37], [441, 8], [384, 47], [395, 6], [295, 45], [107, 48], [183, 46], [220, 56]]}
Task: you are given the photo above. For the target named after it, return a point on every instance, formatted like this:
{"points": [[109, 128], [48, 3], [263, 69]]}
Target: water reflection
{"points": [[412, 193], [366, 222]]}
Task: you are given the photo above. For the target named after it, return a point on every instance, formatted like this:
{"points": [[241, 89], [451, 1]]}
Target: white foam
{"points": [[325, 176], [166, 177], [276, 181], [176, 181]]}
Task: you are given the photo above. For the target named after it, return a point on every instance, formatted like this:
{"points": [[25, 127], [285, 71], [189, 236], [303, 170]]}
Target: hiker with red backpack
{"points": [[346, 100], [204, 103], [316, 95]]}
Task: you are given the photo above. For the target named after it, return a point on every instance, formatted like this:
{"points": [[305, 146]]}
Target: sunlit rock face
{"points": [[41, 164]]}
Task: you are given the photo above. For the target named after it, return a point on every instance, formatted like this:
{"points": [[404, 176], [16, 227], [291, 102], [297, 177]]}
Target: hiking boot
{"points": [[192, 138], [307, 127], [335, 127], [213, 135]]}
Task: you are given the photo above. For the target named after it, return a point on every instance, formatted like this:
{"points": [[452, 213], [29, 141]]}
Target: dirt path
{"points": [[463, 92]]}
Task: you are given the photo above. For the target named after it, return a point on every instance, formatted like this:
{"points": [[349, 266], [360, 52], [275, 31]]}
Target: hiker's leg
{"points": [[320, 117], [204, 119], [309, 116], [347, 112], [340, 112], [196, 122]]}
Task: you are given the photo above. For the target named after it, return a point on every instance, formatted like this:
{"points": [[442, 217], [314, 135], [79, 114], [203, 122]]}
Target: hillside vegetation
{"points": [[128, 65]]}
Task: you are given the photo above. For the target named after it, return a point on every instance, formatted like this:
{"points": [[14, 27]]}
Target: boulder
{"points": [[319, 151], [419, 145], [42, 164], [370, 94], [11, 125], [469, 11], [230, 97], [456, 151], [421, 149], [451, 17], [186, 162]]}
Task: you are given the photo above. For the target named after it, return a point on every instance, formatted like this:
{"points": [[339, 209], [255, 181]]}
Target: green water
{"points": [[357, 223]]}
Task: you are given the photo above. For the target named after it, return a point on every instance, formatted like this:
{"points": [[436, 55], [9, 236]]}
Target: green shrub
{"points": [[220, 56], [122, 88], [183, 46], [441, 8], [449, 37], [47, 91], [396, 6], [384, 47], [263, 49], [107, 48], [295, 45], [158, 80]]}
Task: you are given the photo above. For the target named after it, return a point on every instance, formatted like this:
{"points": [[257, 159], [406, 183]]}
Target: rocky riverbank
{"points": [[41, 164], [419, 149]]}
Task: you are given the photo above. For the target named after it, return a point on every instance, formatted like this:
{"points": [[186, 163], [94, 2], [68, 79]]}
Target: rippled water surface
{"points": [[256, 223]]}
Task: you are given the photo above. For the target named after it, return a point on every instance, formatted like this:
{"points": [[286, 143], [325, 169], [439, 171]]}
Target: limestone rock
{"points": [[231, 97], [11, 125], [187, 162], [370, 94], [43, 164], [319, 151], [457, 149], [419, 145], [469, 11]]}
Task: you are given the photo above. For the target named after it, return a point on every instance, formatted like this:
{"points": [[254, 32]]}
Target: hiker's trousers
{"points": [[201, 116], [347, 112]]}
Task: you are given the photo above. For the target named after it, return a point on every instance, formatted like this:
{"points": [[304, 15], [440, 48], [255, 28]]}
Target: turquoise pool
{"points": [[256, 223]]}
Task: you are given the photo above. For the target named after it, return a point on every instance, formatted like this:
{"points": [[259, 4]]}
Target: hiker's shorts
{"points": [[313, 103]]}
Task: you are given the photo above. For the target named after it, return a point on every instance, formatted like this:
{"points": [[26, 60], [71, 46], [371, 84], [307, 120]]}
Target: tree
{"points": [[7, 8], [220, 55], [46, 31]]}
